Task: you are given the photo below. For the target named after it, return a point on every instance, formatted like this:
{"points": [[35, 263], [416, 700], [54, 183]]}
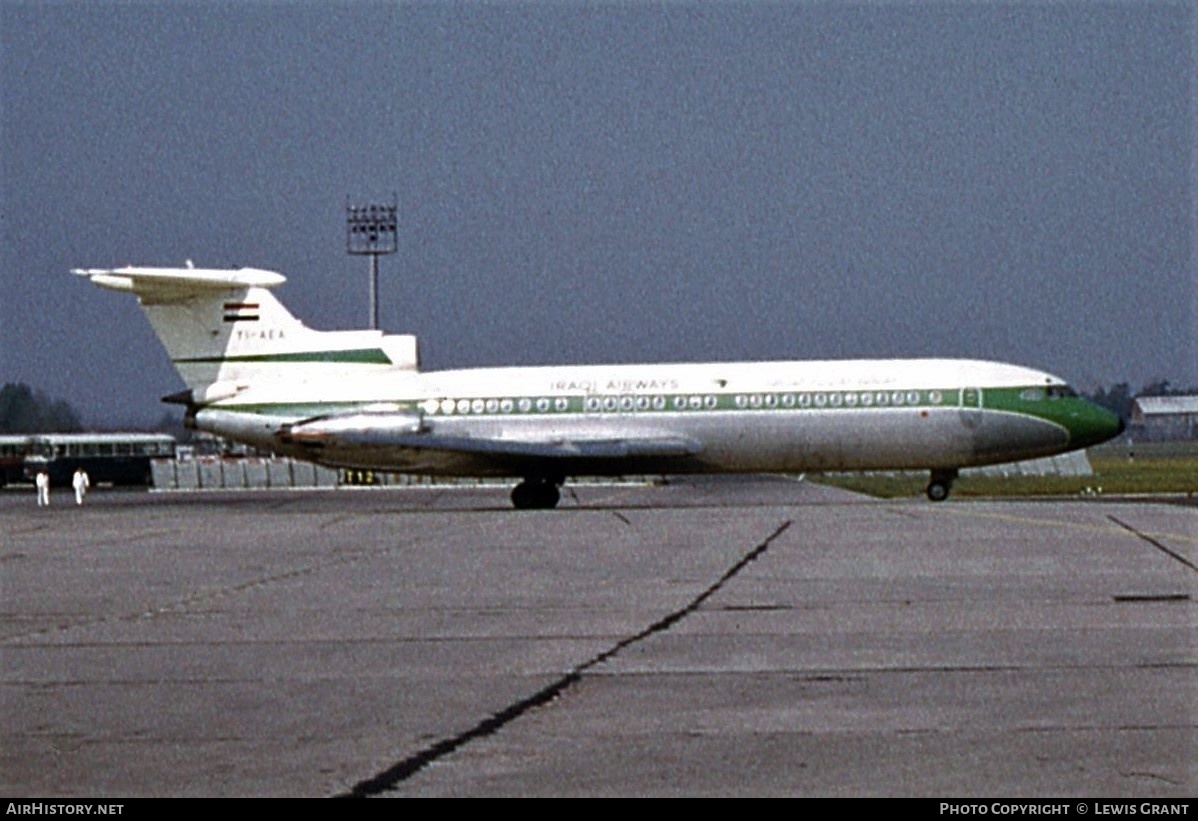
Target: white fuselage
{"points": [[744, 417]]}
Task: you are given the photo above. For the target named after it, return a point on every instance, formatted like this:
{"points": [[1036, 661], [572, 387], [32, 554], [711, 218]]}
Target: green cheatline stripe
{"points": [[616, 404], [993, 399], [291, 410], [362, 356]]}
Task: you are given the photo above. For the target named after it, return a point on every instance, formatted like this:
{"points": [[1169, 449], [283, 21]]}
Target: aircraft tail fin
{"points": [[225, 331]]}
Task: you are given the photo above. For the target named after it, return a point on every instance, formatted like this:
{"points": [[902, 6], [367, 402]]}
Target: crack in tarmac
{"points": [[1170, 553], [394, 775]]}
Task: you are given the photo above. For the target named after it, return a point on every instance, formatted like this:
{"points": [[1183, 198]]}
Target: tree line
{"points": [[1119, 397], [25, 410]]}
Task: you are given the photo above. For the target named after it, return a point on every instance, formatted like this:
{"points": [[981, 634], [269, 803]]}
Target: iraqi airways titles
{"points": [[612, 385]]}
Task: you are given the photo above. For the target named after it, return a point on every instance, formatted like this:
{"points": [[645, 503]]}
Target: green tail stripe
{"points": [[363, 356]]}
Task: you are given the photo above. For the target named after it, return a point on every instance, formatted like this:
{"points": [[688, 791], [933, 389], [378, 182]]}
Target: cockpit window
{"points": [[1061, 392]]}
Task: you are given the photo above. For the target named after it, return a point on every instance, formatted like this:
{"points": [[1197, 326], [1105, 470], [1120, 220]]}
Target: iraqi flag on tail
{"points": [[241, 311]]}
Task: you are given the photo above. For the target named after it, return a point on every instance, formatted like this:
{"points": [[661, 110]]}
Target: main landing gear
{"points": [[537, 493], [941, 484]]}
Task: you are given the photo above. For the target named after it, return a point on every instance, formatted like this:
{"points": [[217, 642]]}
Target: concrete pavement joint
{"points": [[393, 776], [1154, 543]]}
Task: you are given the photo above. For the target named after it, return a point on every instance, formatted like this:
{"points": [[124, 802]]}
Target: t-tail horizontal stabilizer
{"points": [[182, 282], [226, 332]]}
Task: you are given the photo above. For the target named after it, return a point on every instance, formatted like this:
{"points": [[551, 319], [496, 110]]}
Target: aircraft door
{"points": [[971, 407]]}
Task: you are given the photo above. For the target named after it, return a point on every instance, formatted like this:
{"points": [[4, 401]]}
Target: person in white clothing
{"points": [[81, 483], [43, 488]]}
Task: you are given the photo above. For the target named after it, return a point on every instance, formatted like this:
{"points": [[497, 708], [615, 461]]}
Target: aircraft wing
{"points": [[566, 449], [402, 432]]}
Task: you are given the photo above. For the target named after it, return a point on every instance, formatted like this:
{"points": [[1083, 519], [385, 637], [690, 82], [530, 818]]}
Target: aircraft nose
{"points": [[1093, 424]]}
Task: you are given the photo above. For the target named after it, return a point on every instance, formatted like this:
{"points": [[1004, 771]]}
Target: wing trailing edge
{"points": [[406, 431]]}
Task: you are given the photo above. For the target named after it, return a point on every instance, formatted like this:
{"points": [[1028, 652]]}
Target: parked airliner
{"points": [[358, 399]]}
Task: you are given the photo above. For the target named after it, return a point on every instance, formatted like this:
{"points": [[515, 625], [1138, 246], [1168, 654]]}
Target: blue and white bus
{"points": [[13, 450], [115, 458]]}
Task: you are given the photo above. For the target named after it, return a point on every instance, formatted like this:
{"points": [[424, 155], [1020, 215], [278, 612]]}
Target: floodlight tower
{"points": [[372, 230]]}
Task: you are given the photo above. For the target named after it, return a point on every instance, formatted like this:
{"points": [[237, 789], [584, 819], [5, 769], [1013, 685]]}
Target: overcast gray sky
{"points": [[611, 182]]}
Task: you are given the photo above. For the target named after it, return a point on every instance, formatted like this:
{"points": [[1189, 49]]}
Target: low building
{"points": [[1157, 418]]}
